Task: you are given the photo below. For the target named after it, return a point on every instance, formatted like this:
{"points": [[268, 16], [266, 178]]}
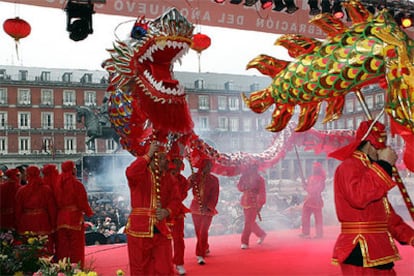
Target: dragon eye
{"points": [[138, 32]]}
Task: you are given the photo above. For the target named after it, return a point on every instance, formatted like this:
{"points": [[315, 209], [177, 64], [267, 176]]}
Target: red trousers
{"points": [[201, 226], [353, 270], [178, 241], [250, 225], [71, 244], [306, 219], [150, 256]]}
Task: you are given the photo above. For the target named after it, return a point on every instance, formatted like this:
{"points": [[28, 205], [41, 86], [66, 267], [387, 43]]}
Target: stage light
{"points": [[371, 9], [79, 19], [278, 5], [326, 6], [313, 6], [337, 9], [236, 2], [250, 3], [290, 6], [266, 4], [406, 21]]}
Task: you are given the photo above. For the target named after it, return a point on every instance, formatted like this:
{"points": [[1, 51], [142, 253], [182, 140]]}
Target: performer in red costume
{"points": [[313, 202], [35, 207], [72, 202], [178, 220], [50, 176], [8, 191], [203, 206], [369, 224], [253, 187], [154, 198]]}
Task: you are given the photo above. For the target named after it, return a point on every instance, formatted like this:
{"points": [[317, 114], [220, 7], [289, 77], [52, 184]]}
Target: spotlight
{"points": [[371, 9], [266, 4], [79, 19], [406, 21], [236, 2], [250, 3], [290, 6], [279, 5], [314, 9], [337, 9], [326, 6]]}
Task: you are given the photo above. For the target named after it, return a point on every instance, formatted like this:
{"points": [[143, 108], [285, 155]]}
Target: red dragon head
{"points": [[144, 94]]}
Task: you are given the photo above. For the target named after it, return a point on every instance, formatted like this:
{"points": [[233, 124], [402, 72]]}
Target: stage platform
{"points": [[282, 253]]}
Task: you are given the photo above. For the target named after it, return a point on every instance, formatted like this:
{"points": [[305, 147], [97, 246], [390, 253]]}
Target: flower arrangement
{"points": [[27, 255]]}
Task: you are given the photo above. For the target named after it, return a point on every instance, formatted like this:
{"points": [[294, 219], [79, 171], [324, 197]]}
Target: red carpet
{"points": [[282, 253]]}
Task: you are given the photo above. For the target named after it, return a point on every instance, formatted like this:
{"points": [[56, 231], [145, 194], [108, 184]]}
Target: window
{"points": [[69, 98], [3, 144], [24, 144], [233, 103], [222, 102], [110, 145], [67, 77], [245, 107], [235, 143], [24, 120], [379, 100], [340, 124], [23, 96], [247, 124], [3, 120], [86, 78], [69, 121], [47, 96], [203, 123], [3, 95], [350, 123], [222, 123], [90, 98], [370, 101], [47, 120], [23, 75], [47, 145], [45, 76], [70, 145], [234, 124], [349, 106], [261, 123], [203, 103], [358, 121]]}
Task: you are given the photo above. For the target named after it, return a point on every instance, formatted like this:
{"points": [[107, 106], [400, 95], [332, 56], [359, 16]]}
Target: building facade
{"points": [[38, 118]]}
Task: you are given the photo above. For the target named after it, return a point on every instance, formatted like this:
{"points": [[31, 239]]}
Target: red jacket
{"points": [[72, 202], [314, 187], [143, 193], [205, 194], [35, 209], [365, 213], [254, 190]]}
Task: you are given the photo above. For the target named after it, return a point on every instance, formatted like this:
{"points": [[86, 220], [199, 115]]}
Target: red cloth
{"points": [[35, 206], [203, 207], [149, 240], [365, 213], [373, 133], [8, 192], [205, 193], [50, 176], [72, 202], [178, 222], [253, 187]]}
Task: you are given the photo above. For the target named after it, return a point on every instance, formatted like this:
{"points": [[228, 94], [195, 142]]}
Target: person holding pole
{"points": [[369, 224], [253, 187]]}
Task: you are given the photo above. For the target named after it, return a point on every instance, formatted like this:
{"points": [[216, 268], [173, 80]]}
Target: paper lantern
{"points": [[16, 28], [200, 42]]}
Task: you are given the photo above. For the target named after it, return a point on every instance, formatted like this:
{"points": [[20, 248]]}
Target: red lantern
{"points": [[16, 28], [200, 42]]}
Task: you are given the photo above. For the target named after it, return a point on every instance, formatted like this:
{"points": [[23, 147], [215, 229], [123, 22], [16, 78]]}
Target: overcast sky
{"points": [[49, 45]]}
